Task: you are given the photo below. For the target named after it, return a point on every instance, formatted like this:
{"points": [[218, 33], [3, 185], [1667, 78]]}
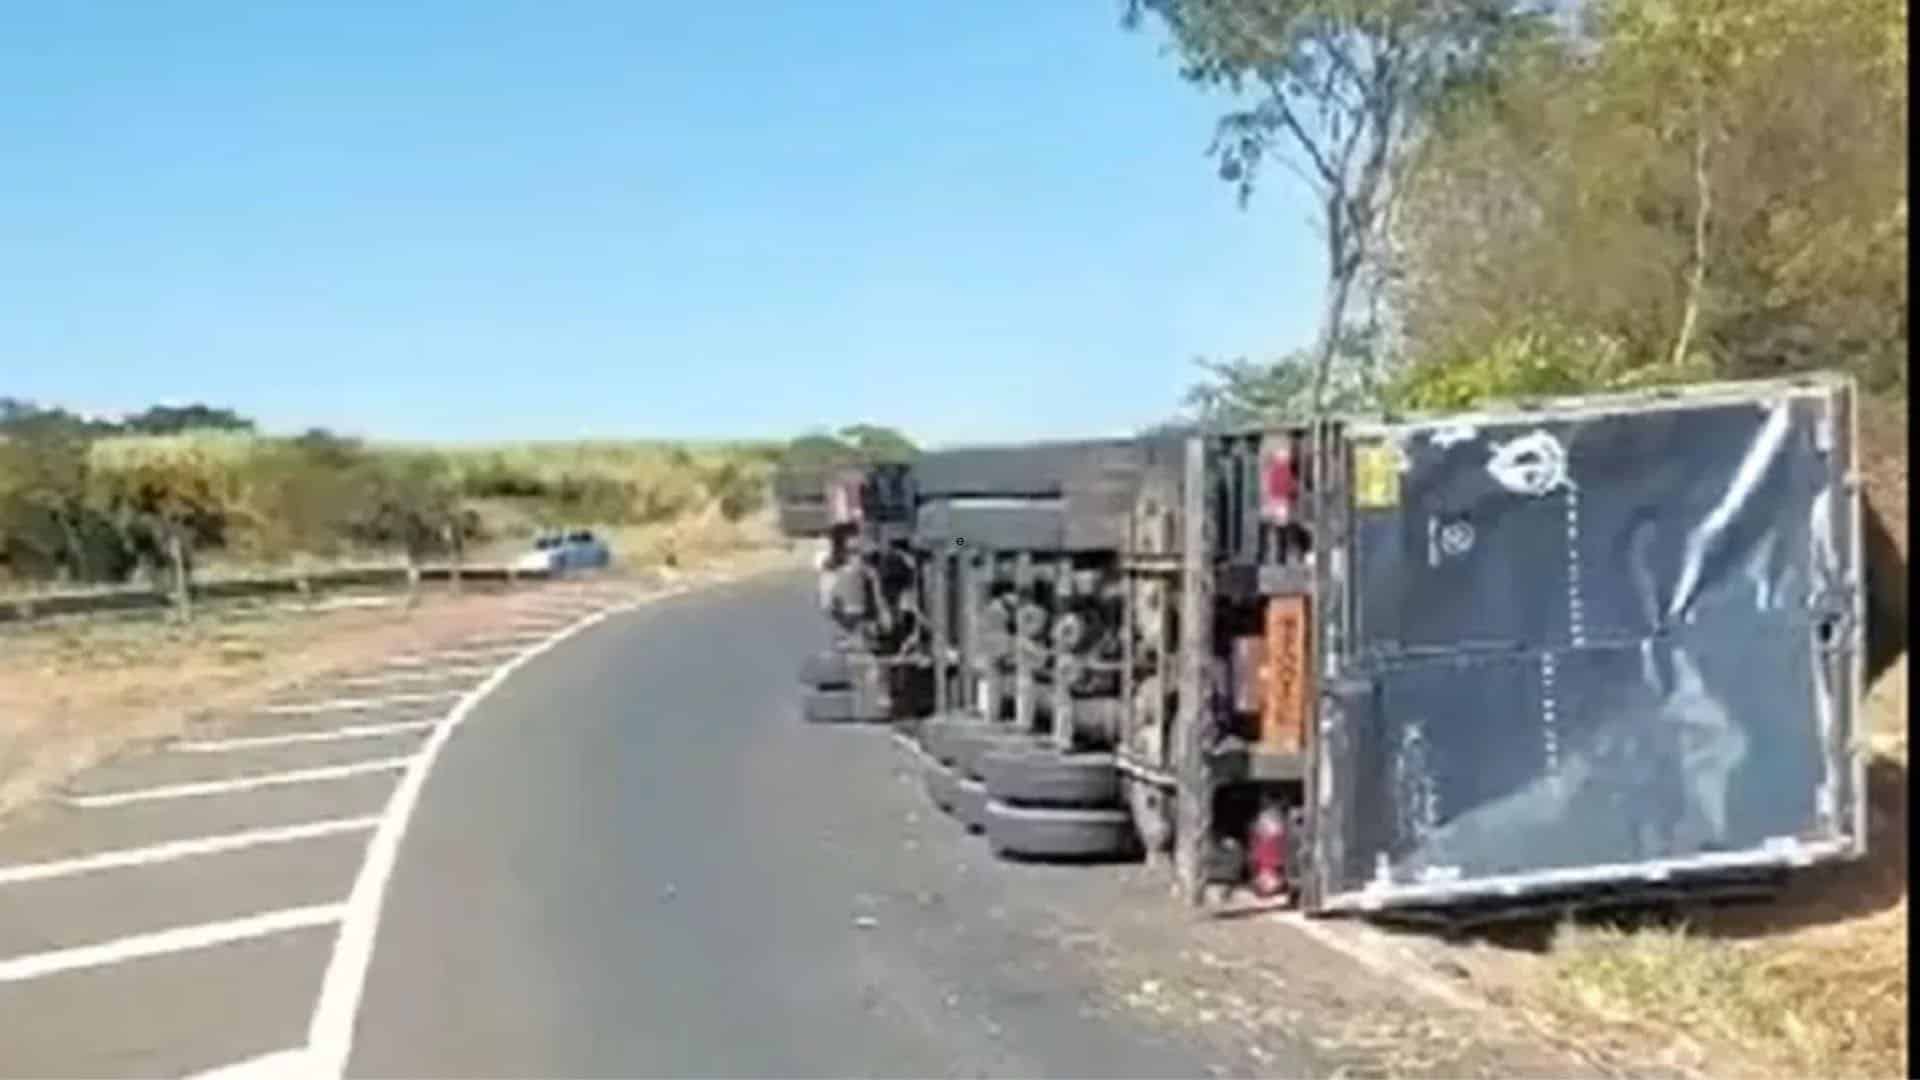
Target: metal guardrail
{"points": [[28, 607]]}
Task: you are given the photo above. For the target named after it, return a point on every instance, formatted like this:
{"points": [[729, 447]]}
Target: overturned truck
{"points": [[1571, 651]]}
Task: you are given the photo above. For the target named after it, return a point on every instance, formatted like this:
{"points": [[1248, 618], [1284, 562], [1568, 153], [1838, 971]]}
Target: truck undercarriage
{"points": [[1434, 666]]}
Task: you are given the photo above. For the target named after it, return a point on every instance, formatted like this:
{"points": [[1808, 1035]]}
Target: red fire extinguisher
{"points": [[1267, 851]]}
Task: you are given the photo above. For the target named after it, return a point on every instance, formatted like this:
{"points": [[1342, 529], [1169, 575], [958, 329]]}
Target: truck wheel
{"points": [[941, 785], [839, 707], [908, 728], [1031, 832], [944, 737], [968, 746], [970, 804], [828, 669], [1038, 777]]}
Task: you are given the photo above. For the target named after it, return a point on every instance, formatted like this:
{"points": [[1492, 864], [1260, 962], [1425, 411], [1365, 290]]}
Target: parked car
{"points": [[564, 552]]}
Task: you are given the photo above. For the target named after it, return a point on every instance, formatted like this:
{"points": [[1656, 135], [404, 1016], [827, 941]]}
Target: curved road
{"points": [[634, 860]]}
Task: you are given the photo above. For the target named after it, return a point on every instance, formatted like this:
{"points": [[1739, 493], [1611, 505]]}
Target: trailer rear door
{"points": [[1605, 642]]}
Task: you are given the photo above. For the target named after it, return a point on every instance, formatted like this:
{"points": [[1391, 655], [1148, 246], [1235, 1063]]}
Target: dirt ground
{"points": [[76, 693]]}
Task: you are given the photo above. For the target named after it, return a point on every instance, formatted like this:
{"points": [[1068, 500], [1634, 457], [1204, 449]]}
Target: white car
{"points": [[562, 552]]}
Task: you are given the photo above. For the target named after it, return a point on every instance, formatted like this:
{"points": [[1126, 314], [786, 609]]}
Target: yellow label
{"points": [[1376, 477]]}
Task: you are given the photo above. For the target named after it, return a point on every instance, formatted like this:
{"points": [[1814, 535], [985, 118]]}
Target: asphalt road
{"points": [[599, 841], [634, 860]]}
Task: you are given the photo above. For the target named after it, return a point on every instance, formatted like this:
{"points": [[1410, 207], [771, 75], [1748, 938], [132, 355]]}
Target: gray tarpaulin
{"points": [[1594, 642]]}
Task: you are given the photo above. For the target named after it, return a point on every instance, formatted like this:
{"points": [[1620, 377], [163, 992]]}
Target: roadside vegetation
{"points": [[1627, 193], [200, 493], [172, 494]]}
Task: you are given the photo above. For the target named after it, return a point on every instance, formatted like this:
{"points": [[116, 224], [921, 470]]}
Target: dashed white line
{"points": [[160, 943], [406, 676], [357, 704], [244, 783], [529, 632], [339, 734], [414, 660], [182, 849]]}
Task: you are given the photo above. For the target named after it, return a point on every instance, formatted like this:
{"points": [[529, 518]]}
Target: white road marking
{"points": [[160, 943], [415, 675], [243, 783], [411, 660], [181, 849], [555, 619], [341, 602], [357, 704], [274, 1066], [507, 641], [330, 1033], [339, 734]]}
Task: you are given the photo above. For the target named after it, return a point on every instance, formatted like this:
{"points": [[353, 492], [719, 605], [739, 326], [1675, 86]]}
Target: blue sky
{"points": [[482, 220]]}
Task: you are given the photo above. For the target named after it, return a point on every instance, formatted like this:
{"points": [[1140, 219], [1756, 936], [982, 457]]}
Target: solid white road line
{"points": [[179, 939], [243, 783], [330, 1034], [182, 849], [357, 704], [339, 734]]}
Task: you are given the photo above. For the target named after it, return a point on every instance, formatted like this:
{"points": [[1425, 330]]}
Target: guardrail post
{"points": [[182, 587]]}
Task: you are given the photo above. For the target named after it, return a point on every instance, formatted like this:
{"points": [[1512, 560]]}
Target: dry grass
{"points": [[1815, 982], [75, 694]]}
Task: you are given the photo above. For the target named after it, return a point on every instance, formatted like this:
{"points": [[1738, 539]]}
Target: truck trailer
{"points": [[1548, 655]]}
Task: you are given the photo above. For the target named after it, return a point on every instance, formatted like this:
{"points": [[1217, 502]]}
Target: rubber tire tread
{"points": [[835, 707], [828, 669], [1040, 834], [1046, 777], [970, 804], [941, 785], [968, 747], [936, 731]]}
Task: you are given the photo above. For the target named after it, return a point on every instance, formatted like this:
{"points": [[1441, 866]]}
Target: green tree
{"points": [[174, 419], [1680, 191], [875, 443], [1338, 88]]}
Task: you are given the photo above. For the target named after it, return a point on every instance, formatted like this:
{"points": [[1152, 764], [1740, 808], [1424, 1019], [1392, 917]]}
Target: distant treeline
{"points": [[84, 499]]}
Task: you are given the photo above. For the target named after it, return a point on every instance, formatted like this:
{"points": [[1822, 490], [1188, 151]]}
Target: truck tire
{"points": [[907, 728], [839, 707], [957, 740], [828, 669], [940, 784], [1041, 833], [941, 735], [1046, 777], [970, 804], [967, 747]]}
